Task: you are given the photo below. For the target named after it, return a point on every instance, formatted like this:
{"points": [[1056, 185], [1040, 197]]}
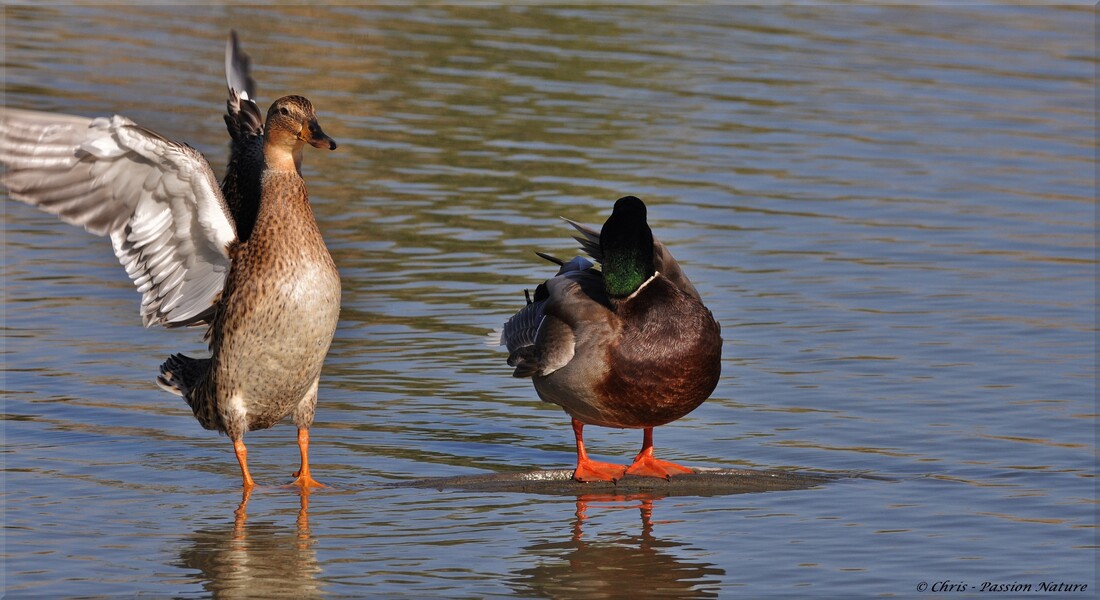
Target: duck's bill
{"points": [[323, 142], [318, 138]]}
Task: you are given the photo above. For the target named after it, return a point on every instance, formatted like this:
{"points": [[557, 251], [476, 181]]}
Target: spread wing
{"points": [[662, 259], [244, 121], [156, 199]]}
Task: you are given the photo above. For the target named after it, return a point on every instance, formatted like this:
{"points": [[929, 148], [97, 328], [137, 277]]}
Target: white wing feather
{"points": [[157, 200]]}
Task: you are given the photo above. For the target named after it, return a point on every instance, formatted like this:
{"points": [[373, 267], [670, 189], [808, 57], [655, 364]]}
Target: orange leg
{"points": [[303, 478], [588, 469], [242, 458], [645, 465]]}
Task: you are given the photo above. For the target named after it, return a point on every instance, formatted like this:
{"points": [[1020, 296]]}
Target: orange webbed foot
{"points": [[305, 481], [645, 465], [590, 470], [302, 478]]}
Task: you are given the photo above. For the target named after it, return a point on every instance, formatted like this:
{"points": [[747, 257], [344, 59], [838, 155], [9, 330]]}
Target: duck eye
{"points": [[283, 111]]}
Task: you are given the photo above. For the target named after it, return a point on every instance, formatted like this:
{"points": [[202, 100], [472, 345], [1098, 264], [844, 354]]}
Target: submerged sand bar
{"points": [[704, 482]]}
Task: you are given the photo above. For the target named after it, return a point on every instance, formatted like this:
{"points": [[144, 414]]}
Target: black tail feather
{"points": [[182, 376]]}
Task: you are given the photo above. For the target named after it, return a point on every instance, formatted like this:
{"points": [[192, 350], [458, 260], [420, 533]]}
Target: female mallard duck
{"points": [[633, 346], [271, 298]]}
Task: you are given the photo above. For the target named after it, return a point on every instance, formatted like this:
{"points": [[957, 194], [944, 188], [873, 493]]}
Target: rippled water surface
{"points": [[889, 210]]}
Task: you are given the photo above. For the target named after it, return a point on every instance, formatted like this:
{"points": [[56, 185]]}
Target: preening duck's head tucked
{"points": [[291, 123], [627, 246]]}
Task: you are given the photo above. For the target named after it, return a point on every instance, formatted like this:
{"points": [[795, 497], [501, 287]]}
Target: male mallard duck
{"points": [[633, 346], [271, 299]]}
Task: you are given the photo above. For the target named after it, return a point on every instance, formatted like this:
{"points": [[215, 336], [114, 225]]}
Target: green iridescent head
{"points": [[627, 246]]}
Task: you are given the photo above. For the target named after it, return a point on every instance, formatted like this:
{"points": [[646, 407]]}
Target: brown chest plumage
{"points": [[278, 314], [666, 363]]}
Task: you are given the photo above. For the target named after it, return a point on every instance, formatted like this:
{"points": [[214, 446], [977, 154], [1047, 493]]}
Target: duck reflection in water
{"points": [[256, 560], [617, 566]]}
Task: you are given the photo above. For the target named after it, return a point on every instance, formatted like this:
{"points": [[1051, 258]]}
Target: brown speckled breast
{"points": [[278, 314]]}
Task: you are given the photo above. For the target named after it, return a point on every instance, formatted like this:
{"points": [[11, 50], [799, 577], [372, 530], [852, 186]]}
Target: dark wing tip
{"points": [[238, 68], [553, 259]]}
